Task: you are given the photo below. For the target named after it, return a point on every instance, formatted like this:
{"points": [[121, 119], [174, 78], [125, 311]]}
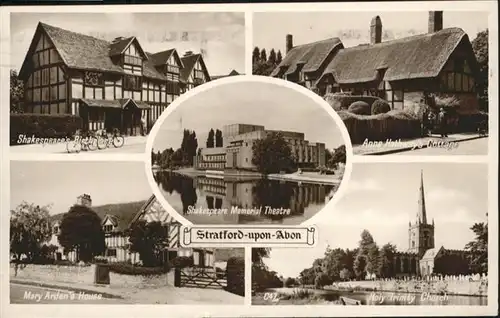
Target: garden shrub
{"points": [[380, 106], [182, 261], [43, 126], [360, 108], [235, 275], [342, 101], [129, 269], [470, 122]]}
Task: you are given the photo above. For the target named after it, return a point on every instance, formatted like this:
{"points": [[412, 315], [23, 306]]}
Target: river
{"points": [[302, 200]]}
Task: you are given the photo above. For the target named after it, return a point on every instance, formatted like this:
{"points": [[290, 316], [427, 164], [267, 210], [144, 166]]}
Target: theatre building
{"points": [[237, 152], [108, 84]]}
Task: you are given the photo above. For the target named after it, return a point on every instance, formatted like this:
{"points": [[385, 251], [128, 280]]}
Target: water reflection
{"points": [[304, 199]]}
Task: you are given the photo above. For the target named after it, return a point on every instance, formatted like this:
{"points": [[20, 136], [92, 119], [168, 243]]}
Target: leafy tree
{"points": [[386, 261], [279, 58], [307, 276], [29, 228], [321, 280], [290, 282], [258, 255], [360, 266], [218, 138], [333, 263], [188, 147], [367, 256], [339, 155], [272, 57], [210, 139], [148, 240], [272, 154], [478, 248], [255, 55], [263, 55], [81, 230], [480, 47], [345, 274], [16, 93]]}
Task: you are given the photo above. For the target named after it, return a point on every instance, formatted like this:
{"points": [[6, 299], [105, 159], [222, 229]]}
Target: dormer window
{"points": [[173, 69], [132, 60]]}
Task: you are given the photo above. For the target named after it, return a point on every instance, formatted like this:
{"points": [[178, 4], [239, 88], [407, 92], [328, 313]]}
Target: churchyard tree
{"points": [[272, 154], [81, 231], [30, 228], [386, 261], [478, 248], [148, 240]]}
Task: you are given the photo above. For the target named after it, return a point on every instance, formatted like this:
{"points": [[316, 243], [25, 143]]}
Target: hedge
{"points": [[43, 126], [360, 108], [470, 122], [235, 272], [380, 106], [340, 101], [129, 269], [391, 125], [182, 261]]}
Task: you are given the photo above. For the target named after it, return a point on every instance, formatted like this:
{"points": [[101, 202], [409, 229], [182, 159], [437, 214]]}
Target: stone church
{"points": [[423, 258]]}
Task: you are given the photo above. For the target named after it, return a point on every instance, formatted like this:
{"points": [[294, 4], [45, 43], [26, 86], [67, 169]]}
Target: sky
{"points": [[59, 183], [275, 107], [352, 28], [382, 198], [224, 33]]}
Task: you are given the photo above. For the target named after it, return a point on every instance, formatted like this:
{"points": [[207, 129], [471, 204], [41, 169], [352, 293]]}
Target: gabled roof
{"points": [[120, 46], [432, 253], [80, 51], [420, 56], [310, 56], [232, 73], [189, 62], [161, 58], [121, 213]]}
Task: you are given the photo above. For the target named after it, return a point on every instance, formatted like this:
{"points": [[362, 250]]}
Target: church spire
{"points": [[421, 214]]}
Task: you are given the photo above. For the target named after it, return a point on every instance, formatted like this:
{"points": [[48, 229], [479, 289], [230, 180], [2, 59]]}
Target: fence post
{"points": [[177, 277]]}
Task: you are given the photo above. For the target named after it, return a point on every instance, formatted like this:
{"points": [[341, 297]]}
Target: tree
{"points": [[338, 156], [218, 138], [478, 248], [345, 274], [279, 58], [81, 231], [188, 147], [367, 257], [272, 57], [263, 55], [333, 263], [321, 280], [210, 139], [256, 55], [29, 228], [148, 240], [272, 154], [480, 47], [386, 261], [258, 255], [360, 266], [16, 93], [290, 282], [307, 276]]}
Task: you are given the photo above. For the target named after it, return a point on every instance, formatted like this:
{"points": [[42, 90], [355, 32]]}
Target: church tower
{"points": [[421, 233]]}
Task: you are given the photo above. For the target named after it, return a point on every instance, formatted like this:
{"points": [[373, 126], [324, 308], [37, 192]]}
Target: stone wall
{"points": [[85, 275]]}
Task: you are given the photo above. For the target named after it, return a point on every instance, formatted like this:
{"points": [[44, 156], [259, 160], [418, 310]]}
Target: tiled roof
{"points": [[189, 62]]}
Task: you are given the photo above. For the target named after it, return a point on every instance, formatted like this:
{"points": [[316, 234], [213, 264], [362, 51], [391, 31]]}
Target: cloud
{"points": [[364, 185], [440, 194], [364, 218]]}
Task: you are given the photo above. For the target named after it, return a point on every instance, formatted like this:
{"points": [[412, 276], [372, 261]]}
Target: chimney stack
{"points": [[118, 39], [289, 42], [84, 200], [376, 30], [188, 53], [435, 21]]}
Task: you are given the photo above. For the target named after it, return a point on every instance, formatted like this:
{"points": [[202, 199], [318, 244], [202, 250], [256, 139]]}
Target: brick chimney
{"points": [[188, 53], [289, 42], [84, 200], [435, 21], [118, 39], [376, 30]]}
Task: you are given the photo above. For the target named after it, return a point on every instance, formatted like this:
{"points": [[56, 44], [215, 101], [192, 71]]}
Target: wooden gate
{"points": [[200, 277]]}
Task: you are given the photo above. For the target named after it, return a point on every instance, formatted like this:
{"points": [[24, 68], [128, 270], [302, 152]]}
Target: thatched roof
{"points": [[84, 52], [420, 56], [310, 55], [189, 61]]}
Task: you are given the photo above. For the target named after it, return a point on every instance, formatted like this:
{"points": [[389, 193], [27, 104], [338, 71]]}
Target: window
{"points": [[132, 82], [111, 252], [108, 228], [132, 60], [172, 68]]}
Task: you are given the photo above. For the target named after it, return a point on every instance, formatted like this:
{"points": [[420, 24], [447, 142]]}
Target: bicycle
{"points": [[106, 139], [86, 141]]}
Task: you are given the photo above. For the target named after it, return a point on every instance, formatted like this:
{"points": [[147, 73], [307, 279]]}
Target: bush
{"points": [[129, 269], [43, 126], [394, 124], [235, 272], [360, 108], [380, 106], [182, 262], [470, 122], [341, 101]]}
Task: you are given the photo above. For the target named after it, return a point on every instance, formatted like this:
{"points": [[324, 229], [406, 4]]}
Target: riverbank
{"points": [[307, 177], [292, 296]]}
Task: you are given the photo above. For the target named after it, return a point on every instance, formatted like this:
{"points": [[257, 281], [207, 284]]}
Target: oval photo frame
{"points": [[156, 129]]}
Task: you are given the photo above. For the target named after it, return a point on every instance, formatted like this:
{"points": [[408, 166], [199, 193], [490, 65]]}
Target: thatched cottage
{"points": [[108, 84], [402, 71]]}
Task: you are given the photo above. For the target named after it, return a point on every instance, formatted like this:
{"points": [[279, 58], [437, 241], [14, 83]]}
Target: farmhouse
{"points": [[118, 218], [401, 71], [108, 84]]}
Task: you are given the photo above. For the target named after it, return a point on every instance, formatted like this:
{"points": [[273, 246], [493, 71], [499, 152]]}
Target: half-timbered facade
{"points": [[108, 84], [194, 72], [118, 218], [402, 71]]}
